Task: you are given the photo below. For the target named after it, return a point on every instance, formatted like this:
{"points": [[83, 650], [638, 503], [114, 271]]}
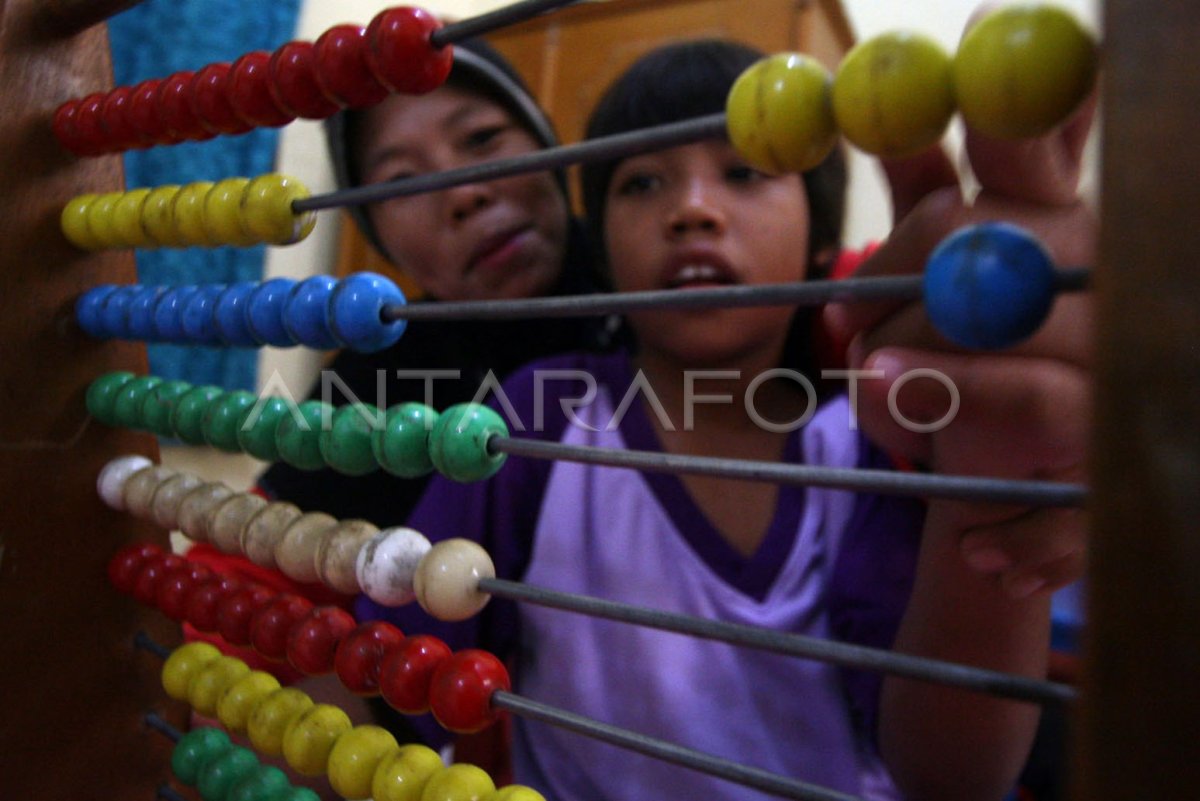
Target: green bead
{"points": [[159, 405], [187, 420], [194, 749], [346, 445], [219, 775], [127, 405], [299, 440], [257, 436], [102, 393], [266, 783], [298, 794], [401, 447], [223, 417], [458, 442]]}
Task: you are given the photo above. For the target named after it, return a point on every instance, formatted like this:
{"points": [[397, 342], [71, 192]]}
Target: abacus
{"points": [[1138, 486]]}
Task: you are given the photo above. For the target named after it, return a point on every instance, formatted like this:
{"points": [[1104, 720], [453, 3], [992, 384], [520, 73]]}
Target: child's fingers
{"points": [[912, 179], [1040, 550]]}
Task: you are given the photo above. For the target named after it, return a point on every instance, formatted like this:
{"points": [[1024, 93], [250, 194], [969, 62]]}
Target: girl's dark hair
{"points": [[692, 79]]}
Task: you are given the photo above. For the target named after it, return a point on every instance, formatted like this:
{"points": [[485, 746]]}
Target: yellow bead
{"points": [[267, 209], [1022, 69], [100, 220], [240, 698], [212, 680], [893, 95], [182, 666], [309, 738], [779, 116], [74, 223], [459, 782], [402, 776], [187, 211], [516, 792], [223, 213], [157, 217], [127, 219], [354, 758], [271, 716]]}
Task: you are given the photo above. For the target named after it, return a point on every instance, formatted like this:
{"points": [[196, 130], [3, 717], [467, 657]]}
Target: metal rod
{"points": [[805, 293], [155, 722], [146, 643], [883, 482], [989, 682], [667, 752], [602, 149], [493, 20]]}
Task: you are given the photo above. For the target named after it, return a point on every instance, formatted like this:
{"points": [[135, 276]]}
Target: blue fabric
{"points": [[153, 40]]}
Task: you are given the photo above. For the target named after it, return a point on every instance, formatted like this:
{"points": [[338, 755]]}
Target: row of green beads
{"points": [[407, 440], [206, 759]]}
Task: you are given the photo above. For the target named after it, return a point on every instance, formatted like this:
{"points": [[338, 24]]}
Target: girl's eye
{"points": [[636, 184], [484, 136], [742, 174]]}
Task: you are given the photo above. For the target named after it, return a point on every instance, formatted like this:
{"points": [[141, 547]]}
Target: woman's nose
{"points": [[464, 201], [697, 209]]}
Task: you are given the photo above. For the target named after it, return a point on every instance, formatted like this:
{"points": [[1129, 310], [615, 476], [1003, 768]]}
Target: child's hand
{"points": [[1024, 411]]}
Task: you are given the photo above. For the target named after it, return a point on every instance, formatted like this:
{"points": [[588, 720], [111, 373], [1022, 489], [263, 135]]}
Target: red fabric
{"points": [[831, 354]]}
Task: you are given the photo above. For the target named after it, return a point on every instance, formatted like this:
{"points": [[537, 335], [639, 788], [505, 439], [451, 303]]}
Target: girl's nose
{"points": [[698, 209]]}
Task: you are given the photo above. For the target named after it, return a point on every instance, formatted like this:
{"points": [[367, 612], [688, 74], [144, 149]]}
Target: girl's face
{"points": [[696, 216], [502, 239]]}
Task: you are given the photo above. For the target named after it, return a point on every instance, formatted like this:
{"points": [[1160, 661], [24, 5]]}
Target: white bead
{"points": [[447, 580], [111, 481], [387, 564]]}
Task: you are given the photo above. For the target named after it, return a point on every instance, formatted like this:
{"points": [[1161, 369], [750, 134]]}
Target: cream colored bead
{"points": [[140, 488], [164, 505], [447, 579], [110, 484], [296, 553], [338, 551], [264, 531], [225, 522], [196, 506], [386, 565]]}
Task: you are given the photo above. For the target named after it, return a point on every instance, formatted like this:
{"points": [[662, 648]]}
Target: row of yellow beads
{"points": [[318, 739], [235, 211], [1019, 72]]}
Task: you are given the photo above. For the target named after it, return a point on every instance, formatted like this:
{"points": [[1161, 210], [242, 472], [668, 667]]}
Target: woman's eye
{"points": [[636, 184], [482, 137], [742, 174]]}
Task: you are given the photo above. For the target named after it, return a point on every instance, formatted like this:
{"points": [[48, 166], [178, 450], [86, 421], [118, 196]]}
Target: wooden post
{"points": [[73, 691]]}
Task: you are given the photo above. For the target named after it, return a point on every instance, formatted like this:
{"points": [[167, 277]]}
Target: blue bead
{"points": [[989, 286], [114, 314], [141, 313], [199, 315], [264, 312], [88, 310], [354, 312], [306, 313], [168, 313], [229, 315]]}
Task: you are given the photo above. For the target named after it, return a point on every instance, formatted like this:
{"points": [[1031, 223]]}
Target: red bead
{"points": [[294, 85], [312, 643], [236, 610], [144, 114], [89, 127], [210, 101], [126, 563], [114, 116], [145, 585], [203, 605], [249, 91], [405, 673], [271, 624], [360, 653], [460, 694], [173, 590], [176, 111], [341, 66], [63, 126], [399, 52]]}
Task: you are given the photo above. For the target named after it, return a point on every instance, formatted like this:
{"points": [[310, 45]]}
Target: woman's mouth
{"points": [[498, 252]]}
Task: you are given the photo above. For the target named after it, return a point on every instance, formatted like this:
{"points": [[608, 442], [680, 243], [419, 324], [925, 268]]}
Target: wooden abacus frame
{"points": [[74, 690]]}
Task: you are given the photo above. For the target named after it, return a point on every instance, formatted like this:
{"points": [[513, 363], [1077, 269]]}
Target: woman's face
{"points": [[697, 216], [501, 239]]}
